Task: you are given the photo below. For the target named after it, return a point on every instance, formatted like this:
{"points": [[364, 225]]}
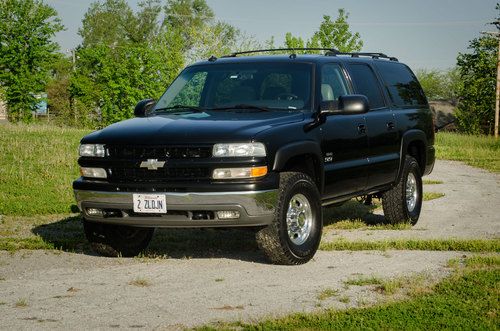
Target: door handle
{"points": [[361, 128], [390, 126]]}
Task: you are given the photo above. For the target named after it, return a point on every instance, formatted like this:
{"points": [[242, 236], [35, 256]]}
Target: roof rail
{"points": [[370, 54], [330, 51]]}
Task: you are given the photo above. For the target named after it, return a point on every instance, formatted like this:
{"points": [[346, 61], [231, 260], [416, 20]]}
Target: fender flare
{"points": [[291, 150], [407, 138]]}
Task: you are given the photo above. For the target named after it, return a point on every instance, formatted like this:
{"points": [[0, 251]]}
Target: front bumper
{"points": [[256, 208]]}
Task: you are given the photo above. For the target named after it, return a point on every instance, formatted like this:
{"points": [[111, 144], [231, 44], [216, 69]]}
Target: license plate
{"points": [[150, 203]]}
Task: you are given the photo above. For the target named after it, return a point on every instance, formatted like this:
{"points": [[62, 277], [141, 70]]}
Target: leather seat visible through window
{"points": [[327, 93]]}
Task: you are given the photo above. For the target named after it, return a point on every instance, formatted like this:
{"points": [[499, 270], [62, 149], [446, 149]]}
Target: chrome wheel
{"points": [[299, 219], [411, 192]]}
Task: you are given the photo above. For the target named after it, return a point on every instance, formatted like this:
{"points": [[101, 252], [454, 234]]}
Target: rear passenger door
{"points": [[383, 147]]}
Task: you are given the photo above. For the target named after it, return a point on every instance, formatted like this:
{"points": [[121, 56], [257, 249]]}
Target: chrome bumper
{"points": [[255, 207]]}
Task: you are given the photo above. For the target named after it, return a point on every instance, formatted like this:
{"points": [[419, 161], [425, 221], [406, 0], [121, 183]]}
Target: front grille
{"points": [[160, 175], [159, 152]]}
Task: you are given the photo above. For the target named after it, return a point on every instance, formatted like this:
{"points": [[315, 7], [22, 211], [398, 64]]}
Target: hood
{"points": [[206, 127]]}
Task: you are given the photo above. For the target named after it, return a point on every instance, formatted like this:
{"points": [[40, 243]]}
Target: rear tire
{"points": [[294, 236], [402, 203], [117, 240]]}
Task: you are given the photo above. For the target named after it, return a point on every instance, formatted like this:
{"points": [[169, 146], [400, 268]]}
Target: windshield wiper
{"points": [[186, 107], [243, 106]]}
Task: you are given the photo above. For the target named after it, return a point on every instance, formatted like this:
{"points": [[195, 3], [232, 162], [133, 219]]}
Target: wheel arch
{"points": [[304, 156], [413, 143]]}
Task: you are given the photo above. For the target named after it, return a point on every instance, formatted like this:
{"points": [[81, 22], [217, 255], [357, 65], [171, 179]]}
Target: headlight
{"points": [[93, 172], [92, 150], [242, 149], [235, 173]]}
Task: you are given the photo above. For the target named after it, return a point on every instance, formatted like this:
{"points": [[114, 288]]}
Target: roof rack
{"points": [[329, 50], [370, 54]]}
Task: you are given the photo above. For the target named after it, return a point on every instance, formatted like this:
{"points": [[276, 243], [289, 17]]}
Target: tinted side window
{"points": [[403, 86], [333, 83], [367, 84]]}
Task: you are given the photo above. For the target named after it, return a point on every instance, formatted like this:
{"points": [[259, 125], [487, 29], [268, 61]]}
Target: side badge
{"points": [[329, 157]]}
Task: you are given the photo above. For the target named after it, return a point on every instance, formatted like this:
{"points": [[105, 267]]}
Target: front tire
{"points": [[294, 236], [117, 240], [402, 203]]}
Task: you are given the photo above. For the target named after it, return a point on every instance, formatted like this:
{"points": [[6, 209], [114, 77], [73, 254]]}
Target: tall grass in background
{"points": [[476, 151], [37, 166]]}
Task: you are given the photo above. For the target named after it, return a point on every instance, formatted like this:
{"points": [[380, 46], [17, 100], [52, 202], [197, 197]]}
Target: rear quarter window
{"points": [[402, 85]]}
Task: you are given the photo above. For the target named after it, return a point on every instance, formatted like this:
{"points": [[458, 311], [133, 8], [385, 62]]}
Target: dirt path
{"points": [[67, 291], [54, 290]]}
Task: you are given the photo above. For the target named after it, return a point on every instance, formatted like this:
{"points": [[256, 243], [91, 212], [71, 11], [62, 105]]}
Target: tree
{"points": [[477, 70], [439, 85], [331, 34], [113, 23], [124, 57], [26, 52], [60, 101]]}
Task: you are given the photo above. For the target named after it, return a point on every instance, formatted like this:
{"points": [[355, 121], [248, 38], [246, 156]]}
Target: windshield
{"points": [[265, 86]]}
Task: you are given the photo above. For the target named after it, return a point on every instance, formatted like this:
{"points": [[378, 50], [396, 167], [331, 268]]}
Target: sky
{"points": [[425, 34]]}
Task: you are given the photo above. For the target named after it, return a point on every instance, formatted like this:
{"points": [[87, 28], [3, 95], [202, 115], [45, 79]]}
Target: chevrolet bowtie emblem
{"points": [[152, 164]]}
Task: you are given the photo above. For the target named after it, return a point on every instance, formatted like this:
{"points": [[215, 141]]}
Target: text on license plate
{"points": [[150, 203]]}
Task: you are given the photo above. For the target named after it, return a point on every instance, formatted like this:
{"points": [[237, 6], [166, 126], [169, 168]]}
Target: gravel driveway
{"points": [[60, 290]]}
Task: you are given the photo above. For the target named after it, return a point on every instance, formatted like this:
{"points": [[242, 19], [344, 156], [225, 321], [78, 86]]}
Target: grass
{"points": [[363, 281], [466, 300], [327, 293], [361, 225], [21, 303], [37, 167], [432, 195], [476, 151], [470, 245], [140, 282], [431, 182]]}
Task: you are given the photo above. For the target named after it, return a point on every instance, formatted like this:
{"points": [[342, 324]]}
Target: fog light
{"points": [[93, 172], [228, 214], [94, 212]]}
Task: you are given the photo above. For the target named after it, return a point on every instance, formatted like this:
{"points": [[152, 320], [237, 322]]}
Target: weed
{"points": [[21, 303], [345, 299], [432, 195], [140, 282], [327, 293], [362, 281], [432, 182]]}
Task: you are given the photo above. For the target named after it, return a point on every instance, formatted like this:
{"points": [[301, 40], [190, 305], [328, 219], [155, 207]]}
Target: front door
{"points": [[344, 140]]}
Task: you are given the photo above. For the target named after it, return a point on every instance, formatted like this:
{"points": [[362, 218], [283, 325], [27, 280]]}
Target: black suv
{"points": [[261, 142]]}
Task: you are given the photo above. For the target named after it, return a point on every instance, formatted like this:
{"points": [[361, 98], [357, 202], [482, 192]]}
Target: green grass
{"points": [[476, 151], [470, 245], [428, 196], [362, 225], [432, 182], [467, 300], [363, 281], [37, 167]]}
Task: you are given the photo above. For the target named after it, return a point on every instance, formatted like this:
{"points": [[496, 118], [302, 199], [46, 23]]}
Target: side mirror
{"points": [[346, 105], [143, 106]]}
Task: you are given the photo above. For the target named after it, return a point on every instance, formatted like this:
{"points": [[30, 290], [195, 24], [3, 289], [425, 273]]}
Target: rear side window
{"points": [[367, 84], [402, 84]]}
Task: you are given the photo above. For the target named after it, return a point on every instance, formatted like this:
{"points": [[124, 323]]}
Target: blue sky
{"points": [[421, 33]]}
